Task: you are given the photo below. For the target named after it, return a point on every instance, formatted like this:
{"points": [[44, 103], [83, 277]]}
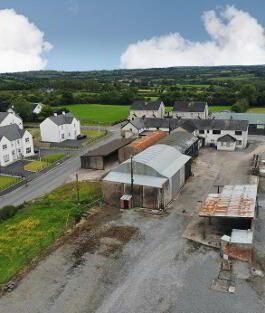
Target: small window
{"points": [[62, 136], [216, 132], [208, 131], [238, 132], [18, 141], [239, 142], [28, 150], [4, 147], [27, 140], [201, 131], [6, 157], [13, 152]]}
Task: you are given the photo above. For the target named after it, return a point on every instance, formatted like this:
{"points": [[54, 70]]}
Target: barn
{"points": [[158, 174]]}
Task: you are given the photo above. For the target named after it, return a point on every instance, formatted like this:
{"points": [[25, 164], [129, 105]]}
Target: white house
{"points": [[36, 107], [15, 143], [223, 134], [61, 127], [195, 109], [7, 118], [143, 108]]}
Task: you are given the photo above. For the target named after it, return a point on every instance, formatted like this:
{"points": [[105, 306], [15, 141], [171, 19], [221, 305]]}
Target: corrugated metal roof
{"points": [[234, 201], [181, 140], [142, 180], [142, 143], [252, 118], [164, 159]]}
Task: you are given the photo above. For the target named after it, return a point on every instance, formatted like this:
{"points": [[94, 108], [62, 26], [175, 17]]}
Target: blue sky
{"points": [[89, 35]]}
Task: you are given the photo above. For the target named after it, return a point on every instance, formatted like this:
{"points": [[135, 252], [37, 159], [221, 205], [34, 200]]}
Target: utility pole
{"points": [[132, 180], [77, 189]]}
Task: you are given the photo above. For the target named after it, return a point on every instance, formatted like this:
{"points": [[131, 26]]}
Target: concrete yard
{"points": [[157, 271]]}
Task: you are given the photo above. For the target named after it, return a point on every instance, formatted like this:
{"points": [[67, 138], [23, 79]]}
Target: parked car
{"points": [[80, 137]]}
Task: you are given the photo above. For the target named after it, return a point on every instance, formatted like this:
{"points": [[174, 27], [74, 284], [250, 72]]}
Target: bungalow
{"points": [[143, 108], [61, 127], [15, 143], [195, 109], [7, 118]]}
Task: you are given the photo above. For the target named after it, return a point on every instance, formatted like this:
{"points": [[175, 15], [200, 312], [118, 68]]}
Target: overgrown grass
{"points": [[99, 113], [39, 223], [6, 181], [36, 166], [52, 158]]}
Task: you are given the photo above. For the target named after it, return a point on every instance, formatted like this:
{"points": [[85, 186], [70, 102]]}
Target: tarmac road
{"points": [[53, 179]]}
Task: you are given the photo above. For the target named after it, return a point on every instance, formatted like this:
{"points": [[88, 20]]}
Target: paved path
{"points": [[53, 179]]}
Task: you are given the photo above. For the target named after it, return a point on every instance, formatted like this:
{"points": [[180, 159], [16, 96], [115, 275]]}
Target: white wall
{"points": [[12, 119], [51, 132], [148, 113], [211, 138], [202, 115], [226, 146]]}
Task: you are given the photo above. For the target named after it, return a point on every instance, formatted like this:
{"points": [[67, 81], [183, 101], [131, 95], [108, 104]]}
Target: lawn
{"points": [[256, 110], [219, 108], [99, 113], [6, 181], [36, 166], [52, 158], [39, 223]]}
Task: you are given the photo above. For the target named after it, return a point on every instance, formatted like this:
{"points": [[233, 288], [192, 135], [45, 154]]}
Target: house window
{"points": [[201, 131], [238, 132], [28, 150], [13, 152], [208, 131], [27, 140], [18, 142], [62, 136], [4, 147], [216, 132], [6, 158], [239, 142]]}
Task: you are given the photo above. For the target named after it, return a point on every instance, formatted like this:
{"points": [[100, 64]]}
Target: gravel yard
{"points": [[139, 263]]}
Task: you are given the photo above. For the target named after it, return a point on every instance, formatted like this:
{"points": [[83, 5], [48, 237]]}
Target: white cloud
{"points": [[236, 38], [21, 43]]}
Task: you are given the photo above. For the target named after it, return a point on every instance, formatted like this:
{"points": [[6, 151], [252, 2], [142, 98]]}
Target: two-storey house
{"points": [[144, 108], [193, 110]]}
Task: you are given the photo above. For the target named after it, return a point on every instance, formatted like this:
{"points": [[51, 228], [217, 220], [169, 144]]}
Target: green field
{"points": [[6, 181], [256, 110], [219, 108], [98, 113], [34, 227]]}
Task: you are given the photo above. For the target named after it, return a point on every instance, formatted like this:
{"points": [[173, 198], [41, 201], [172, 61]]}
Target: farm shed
{"points": [[140, 144], [98, 158], [158, 174]]}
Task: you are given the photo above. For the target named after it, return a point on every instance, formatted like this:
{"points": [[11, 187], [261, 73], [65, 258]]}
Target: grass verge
{"points": [[36, 226], [7, 181], [36, 166], [93, 135], [52, 158]]}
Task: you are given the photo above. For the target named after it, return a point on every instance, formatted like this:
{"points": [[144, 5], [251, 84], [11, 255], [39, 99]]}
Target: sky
{"points": [[73, 35]]}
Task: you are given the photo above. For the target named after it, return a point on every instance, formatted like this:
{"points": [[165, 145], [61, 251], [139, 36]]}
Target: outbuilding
{"points": [[98, 158], [226, 142], [158, 174], [140, 144]]}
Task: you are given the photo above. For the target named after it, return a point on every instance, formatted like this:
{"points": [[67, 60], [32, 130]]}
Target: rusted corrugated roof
{"points": [[234, 201], [147, 141]]}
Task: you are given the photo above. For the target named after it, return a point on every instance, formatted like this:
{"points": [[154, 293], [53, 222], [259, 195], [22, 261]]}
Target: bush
{"points": [[240, 106], [8, 211]]}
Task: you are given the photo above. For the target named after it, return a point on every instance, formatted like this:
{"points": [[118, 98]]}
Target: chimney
{"points": [[55, 114]]}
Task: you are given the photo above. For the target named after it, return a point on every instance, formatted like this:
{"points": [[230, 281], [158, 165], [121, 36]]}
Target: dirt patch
{"points": [[122, 233]]}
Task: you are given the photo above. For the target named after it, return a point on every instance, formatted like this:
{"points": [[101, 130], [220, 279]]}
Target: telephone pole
{"points": [[132, 180]]}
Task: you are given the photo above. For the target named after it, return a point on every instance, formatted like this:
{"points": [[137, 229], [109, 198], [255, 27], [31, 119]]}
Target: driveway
{"points": [[156, 272]]}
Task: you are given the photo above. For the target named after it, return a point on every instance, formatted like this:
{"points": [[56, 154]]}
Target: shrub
{"points": [[8, 211]]}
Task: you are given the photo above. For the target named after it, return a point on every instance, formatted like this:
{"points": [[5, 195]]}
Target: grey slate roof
{"points": [[11, 132], [184, 106], [226, 138], [62, 119], [221, 124], [3, 115], [181, 140], [145, 105]]}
